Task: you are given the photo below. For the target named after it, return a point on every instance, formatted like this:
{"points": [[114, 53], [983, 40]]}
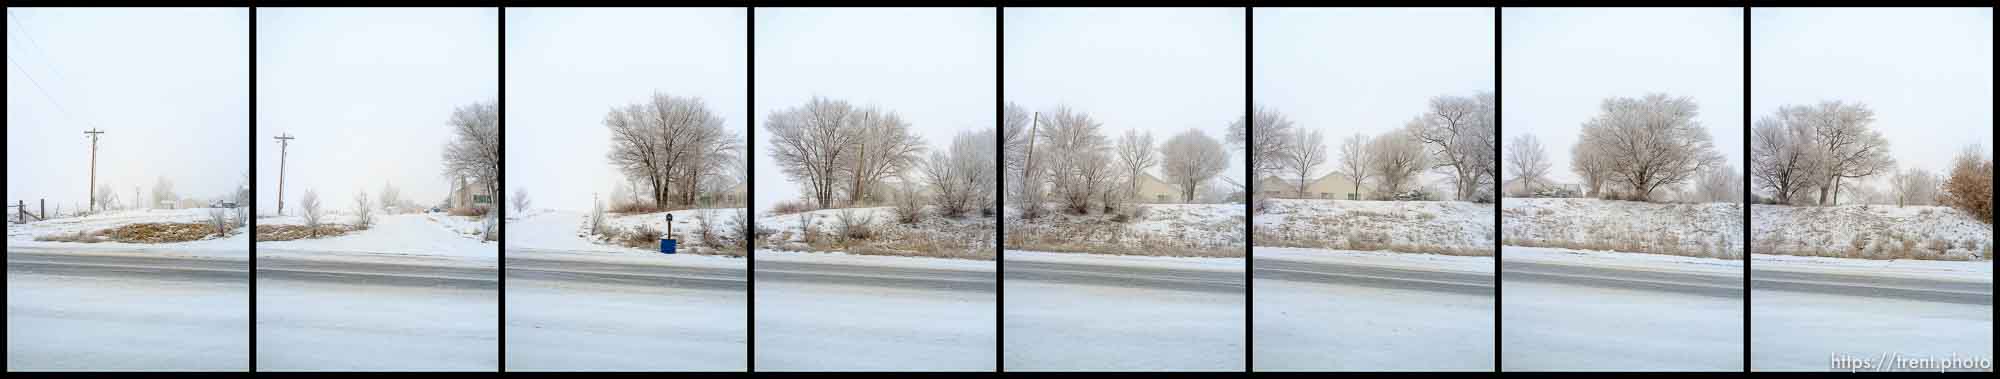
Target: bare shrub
{"points": [[313, 213], [855, 226], [642, 236], [597, 218], [790, 207], [705, 221], [739, 229], [1968, 186], [218, 219], [909, 206], [364, 215]]}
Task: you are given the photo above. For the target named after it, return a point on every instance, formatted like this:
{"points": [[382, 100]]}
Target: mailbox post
{"points": [[667, 241]]}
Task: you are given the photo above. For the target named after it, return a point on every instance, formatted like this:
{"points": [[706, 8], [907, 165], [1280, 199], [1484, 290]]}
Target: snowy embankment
{"points": [[876, 231], [1438, 227], [1180, 230], [565, 234], [1870, 232], [426, 234], [709, 231], [1712, 230], [25, 235]]}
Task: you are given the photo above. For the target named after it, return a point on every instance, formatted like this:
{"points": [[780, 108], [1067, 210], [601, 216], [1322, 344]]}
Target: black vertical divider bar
{"points": [[1746, 188], [750, 178], [1499, 129], [1000, 227], [251, 246], [501, 270], [1249, 204]]}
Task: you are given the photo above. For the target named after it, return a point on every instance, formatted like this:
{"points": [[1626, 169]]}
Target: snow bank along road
{"points": [[873, 313], [1587, 313], [633, 314], [113, 310], [1335, 316], [355, 314], [1068, 312], [1802, 316]]}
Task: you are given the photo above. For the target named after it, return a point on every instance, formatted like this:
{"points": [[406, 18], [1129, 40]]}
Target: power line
{"points": [[30, 36]]}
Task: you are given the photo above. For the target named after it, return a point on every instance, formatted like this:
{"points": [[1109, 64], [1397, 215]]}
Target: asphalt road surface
{"points": [[341, 315], [1719, 286], [114, 311], [1373, 276], [579, 315], [876, 276], [1126, 276], [1915, 289]]}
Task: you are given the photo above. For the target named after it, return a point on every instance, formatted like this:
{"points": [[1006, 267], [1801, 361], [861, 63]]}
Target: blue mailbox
{"points": [[667, 241]]}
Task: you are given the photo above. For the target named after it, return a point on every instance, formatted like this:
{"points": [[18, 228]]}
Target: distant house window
{"points": [[1162, 198], [1353, 196], [1324, 195]]}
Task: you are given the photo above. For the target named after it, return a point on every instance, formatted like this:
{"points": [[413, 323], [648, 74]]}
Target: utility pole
{"points": [[284, 143], [92, 191]]}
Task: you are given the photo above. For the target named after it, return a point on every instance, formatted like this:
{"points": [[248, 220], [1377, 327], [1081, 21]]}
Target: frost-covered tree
{"points": [[1079, 158], [1355, 161], [1783, 157], [1849, 147], [474, 148], [1397, 159], [1528, 160], [1264, 136], [1135, 156], [1913, 186], [1652, 142], [163, 191], [1025, 179], [671, 145], [1590, 163], [1192, 159], [390, 197], [1461, 137], [1720, 184], [1303, 156], [521, 201], [883, 147], [961, 178], [809, 143]]}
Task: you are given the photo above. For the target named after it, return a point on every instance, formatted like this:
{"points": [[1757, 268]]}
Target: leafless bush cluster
{"points": [[1062, 156], [1969, 186], [364, 215], [855, 226], [310, 204], [960, 179]]}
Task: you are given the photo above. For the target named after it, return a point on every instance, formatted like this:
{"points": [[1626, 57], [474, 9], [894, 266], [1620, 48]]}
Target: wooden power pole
{"points": [[92, 191], [284, 143]]}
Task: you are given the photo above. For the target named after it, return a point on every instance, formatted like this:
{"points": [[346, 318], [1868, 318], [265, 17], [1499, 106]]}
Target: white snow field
{"points": [[572, 320], [1441, 227], [1870, 231], [1087, 312], [1568, 310], [406, 235], [1699, 230], [1212, 230], [104, 314], [234, 246], [1329, 324], [1933, 309], [842, 312]]}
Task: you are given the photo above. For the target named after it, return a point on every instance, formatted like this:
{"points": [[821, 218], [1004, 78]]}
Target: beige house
{"points": [[1153, 190], [468, 192], [1331, 186], [1518, 188]]}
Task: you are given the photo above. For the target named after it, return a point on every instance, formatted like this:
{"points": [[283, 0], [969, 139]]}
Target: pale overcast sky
{"points": [[568, 67], [933, 66], [1927, 73], [169, 86], [1343, 71], [1160, 70], [367, 92], [1559, 64]]}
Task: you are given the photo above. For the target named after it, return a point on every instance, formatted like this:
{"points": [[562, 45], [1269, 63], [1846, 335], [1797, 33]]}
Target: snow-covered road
{"points": [[836, 312], [567, 312], [1084, 312], [1565, 310], [1329, 310], [111, 310], [1805, 311], [333, 315]]}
